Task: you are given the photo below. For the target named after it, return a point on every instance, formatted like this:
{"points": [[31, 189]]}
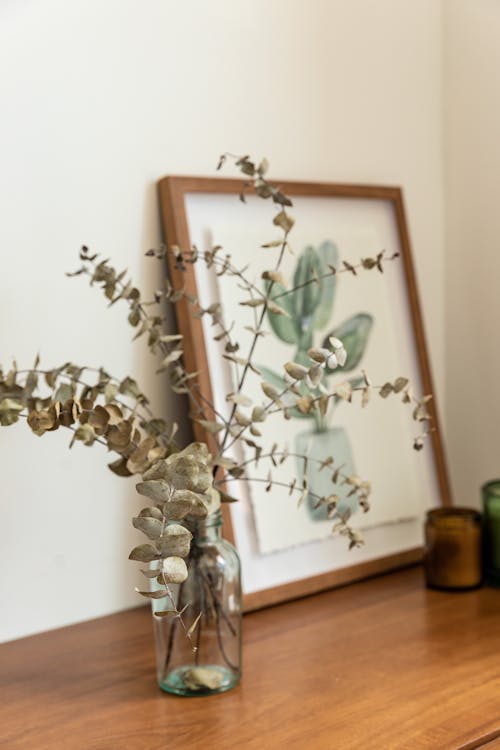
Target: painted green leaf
{"points": [[306, 298], [329, 256], [353, 333], [284, 326]]}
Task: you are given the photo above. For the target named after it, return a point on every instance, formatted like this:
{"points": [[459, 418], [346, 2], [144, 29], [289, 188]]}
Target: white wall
{"points": [[99, 100], [472, 126]]}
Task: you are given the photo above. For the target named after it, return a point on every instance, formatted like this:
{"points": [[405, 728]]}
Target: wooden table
{"points": [[380, 665]]}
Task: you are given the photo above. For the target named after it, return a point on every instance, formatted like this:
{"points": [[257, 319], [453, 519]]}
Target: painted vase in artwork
{"points": [[309, 310], [331, 442]]}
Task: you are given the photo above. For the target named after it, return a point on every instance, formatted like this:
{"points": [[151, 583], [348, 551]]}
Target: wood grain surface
{"points": [[381, 665]]}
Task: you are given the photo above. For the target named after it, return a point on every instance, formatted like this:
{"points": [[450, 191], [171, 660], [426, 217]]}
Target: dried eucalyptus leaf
{"points": [[158, 470], [134, 317], [323, 405], [225, 462], [129, 387], [152, 594], [189, 469], [152, 527], [39, 421], [344, 391], [225, 498], [212, 500], [149, 572], [283, 220], [174, 570], [198, 678], [241, 418], [304, 404], [119, 467], [99, 419], [193, 626], [152, 512], [315, 375], [144, 553], [274, 276], [255, 302], [239, 398], [171, 357], [258, 414], [156, 489], [295, 370], [51, 378], [64, 392], [183, 503], [118, 436], [86, 434], [115, 414], [270, 392], [418, 444], [175, 541], [276, 309], [9, 411], [139, 460], [110, 392], [349, 267], [211, 427], [399, 384], [386, 390]]}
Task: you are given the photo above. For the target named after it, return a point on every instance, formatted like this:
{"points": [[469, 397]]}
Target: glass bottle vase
{"points": [[208, 659]]}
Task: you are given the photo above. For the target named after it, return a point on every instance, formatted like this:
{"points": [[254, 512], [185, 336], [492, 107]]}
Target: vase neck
{"points": [[208, 528]]}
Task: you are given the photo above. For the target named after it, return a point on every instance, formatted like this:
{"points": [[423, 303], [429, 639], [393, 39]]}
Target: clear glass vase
{"points": [[209, 660]]}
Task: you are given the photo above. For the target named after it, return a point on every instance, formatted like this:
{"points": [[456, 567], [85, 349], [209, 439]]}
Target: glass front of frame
{"points": [[374, 442]]}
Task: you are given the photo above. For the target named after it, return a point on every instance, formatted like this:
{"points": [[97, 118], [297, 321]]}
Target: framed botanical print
{"points": [[355, 240]]}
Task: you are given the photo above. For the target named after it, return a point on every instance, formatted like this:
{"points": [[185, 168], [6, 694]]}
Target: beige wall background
{"points": [[99, 100], [472, 185]]}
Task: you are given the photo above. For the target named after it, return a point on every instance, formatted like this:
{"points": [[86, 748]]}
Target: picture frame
{"points": [[195, 210]]}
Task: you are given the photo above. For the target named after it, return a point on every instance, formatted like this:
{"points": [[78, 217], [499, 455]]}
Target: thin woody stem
{"points": [[254, 343], [327, 275], [273, 482]]}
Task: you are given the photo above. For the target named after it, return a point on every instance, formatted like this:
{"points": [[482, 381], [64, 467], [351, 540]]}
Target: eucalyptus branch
{"points": [[185, 485], [255, 338], [341, 526]]}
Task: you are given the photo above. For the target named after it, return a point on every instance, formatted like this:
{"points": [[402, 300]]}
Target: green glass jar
{"points": [[453, 548], [491, 530], [209, 661]]}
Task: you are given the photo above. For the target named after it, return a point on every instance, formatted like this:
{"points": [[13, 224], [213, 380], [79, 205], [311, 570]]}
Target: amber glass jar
{"points": [[453, 548]]}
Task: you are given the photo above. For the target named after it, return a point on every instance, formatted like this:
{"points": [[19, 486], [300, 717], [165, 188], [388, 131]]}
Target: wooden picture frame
{"points": [[175, 192]]}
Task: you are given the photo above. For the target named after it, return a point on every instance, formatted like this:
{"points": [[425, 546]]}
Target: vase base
{"points": [[196, 681]]}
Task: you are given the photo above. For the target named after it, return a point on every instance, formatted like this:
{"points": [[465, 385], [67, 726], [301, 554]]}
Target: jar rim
{"points": [[453, 511], [491, 487]]}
